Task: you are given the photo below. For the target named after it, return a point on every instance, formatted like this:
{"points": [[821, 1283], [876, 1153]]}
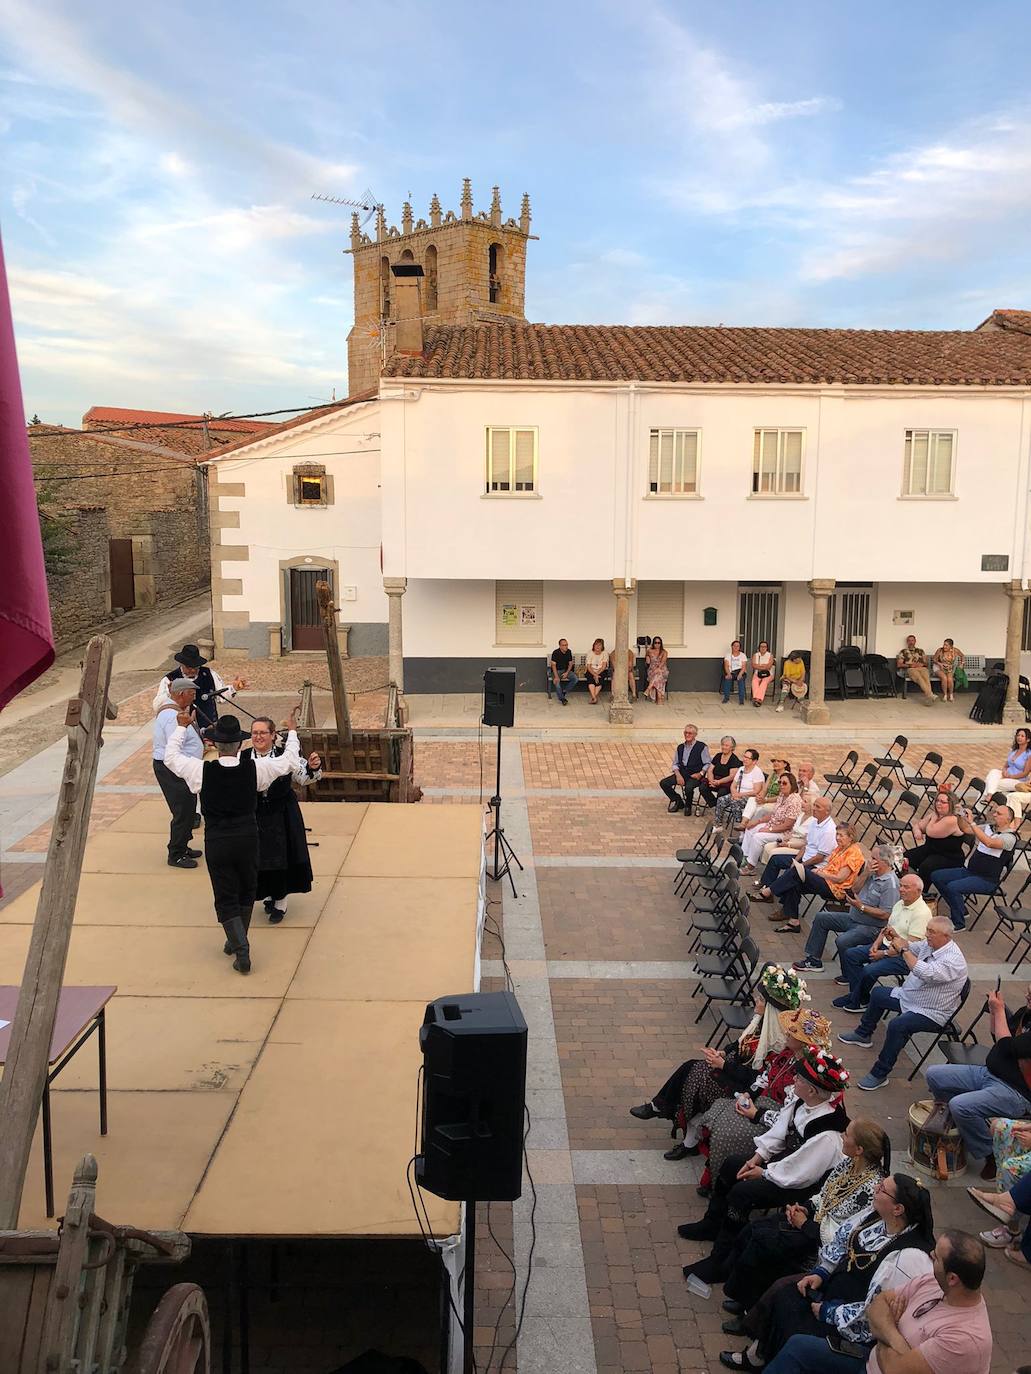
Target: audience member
{"points": [[793, 685], [758, 807], [735, 669], [939, 838], [748, 783], [807, 784], [978, 1092], [596, 667], [1011, 1148], [864, 914], [986, 866], [864, 965], [793, 843], [656, 662], [763, 664], [830, 880], [690, 761], [1016, 771], [820, 842], [775, 825], [912, 662], [926, 1000], [947, 659], [720, 773], [562, 674]]}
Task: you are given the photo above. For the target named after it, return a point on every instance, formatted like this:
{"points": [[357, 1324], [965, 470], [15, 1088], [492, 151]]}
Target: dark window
{"points": [[494, 258], [311, 489], [311, 486]]}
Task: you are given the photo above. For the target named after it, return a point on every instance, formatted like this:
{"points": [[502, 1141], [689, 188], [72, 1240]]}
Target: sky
{"points": [[743, 163]]}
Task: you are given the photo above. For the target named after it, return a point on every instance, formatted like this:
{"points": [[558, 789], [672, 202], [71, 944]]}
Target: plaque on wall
{"points": [[995, 562]]}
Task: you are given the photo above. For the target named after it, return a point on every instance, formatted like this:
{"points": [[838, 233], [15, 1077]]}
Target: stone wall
{"points": [[81, 598]]}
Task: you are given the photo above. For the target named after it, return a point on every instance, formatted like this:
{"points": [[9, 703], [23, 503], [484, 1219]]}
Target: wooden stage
{"points": [[280, 1104]]}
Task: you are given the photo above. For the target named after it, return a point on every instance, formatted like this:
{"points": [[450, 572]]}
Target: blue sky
{"points": [[745, 163]]}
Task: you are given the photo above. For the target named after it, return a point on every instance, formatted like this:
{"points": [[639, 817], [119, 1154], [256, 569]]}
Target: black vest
{"points": [[692, 763], [205, 703], [836, 1120], [229, 797]]}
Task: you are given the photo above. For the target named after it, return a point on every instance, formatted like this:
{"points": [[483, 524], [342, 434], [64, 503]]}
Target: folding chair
{"points": [[979, 902], [697, 861], [922, 780], [717, 914], [853, 676], [953, 780], [950, 1031], [973, 795], [727, 961], [735, 989], [832, 680], [716, 941], [892, 756], [858, 791], [966, 1051], [1012, 916], [895, 825], [880, 676], [875, 809], [842, 775]]}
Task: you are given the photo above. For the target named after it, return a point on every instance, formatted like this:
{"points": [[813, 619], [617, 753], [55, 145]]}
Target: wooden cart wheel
{"points": [[178, 1336]]}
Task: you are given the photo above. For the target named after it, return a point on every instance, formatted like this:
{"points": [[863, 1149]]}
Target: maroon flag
{"points": [[26, 636]]}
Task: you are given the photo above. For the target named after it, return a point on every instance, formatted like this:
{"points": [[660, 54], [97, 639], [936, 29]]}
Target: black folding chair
{"points": [[696, 862], [892, 756], [832, 683], [966, 1051], [876, 809], [717, 941], [726, 961], [950, 1031], [880, 675], [1012, 917], [979, 902], [858, 791], [733, 989], [953, 780], [926, 776], [895, 825], [842, 775], [973, 795], [853, 676]]}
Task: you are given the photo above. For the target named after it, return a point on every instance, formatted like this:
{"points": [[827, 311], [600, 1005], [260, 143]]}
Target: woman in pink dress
{"points": [[657, 662]]}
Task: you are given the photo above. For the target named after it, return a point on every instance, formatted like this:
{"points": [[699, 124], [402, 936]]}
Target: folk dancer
{"points": [[228, 788], [209, 686], [177, 795], [283, 862]]}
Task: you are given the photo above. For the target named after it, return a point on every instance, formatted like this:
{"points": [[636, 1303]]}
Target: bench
{"points": [[580, 668], [975, 665]]}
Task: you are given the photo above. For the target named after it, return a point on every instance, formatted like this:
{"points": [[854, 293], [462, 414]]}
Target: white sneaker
{"points": [[998, 1238], [779, 709]]}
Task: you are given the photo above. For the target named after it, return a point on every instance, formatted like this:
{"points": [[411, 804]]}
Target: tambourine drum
{"points": [[941, 1154]]}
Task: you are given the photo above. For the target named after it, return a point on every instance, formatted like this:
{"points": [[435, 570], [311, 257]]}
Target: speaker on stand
{"points": [[499, 709], [473, 1105]]}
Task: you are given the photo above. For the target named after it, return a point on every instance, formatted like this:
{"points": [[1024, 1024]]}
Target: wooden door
{"points": [[123, 596], [305, 623]]}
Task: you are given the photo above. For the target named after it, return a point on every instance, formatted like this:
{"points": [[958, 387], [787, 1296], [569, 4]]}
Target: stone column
{"points": [[814, 708], [1013, 712], [395, 588], [621, 711]]}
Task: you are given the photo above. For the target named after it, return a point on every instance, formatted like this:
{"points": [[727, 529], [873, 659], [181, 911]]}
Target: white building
{"points": [[525, 480]]}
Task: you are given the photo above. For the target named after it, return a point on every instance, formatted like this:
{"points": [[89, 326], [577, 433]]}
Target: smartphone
{"points": [[998, 983]]}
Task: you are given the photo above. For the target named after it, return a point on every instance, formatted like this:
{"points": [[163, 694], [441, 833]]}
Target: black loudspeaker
{"points": [[474, 1094], [499, 696]]}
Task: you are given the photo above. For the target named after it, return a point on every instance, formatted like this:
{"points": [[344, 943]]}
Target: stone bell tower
{"points": [[473, 268]]}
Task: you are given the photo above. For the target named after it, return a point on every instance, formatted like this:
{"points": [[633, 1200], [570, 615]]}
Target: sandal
{"points": [[990, 1202], [1016, 1256], [787, 929], [758, 897]]}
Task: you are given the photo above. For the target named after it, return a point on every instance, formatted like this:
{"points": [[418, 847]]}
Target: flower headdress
{"points": [[822, 1069], [783, 988]]}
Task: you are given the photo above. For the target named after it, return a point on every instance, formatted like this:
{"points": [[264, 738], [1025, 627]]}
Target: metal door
{"points": [[123, 591], [848, 620], [758, 617], [305, 622]]}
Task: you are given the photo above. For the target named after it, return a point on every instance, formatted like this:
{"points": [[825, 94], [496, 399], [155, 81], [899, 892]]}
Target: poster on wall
{"points": [[527, 615], [509, 615]]}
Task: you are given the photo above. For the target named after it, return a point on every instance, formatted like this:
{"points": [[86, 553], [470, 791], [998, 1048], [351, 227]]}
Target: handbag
{"points": [[960, 678], [762, 672]]}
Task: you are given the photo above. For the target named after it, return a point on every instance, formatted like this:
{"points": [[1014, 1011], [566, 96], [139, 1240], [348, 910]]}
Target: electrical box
{"points": [[348, 593]]}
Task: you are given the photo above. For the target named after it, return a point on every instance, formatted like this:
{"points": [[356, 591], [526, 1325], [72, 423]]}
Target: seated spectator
{"points": [[793, 685], [939, 838], [912, 663], [763, 665], [1011, 1147], [731, 1125], [926, 1000], [775, 825], [758, 807], [720, 773], [784, 1243], [1016, 771], [562, 670], [830, 880], [631, 671], [790, 1160], [985, 868], [747, 783], [947, 659], [793, 843], [891, 1245], [807, 784], [656, 662], [735, 670], [698, 1083], [976, 1093], [690, 761], [864, 914], [596, 667], [864, 965], [820, 841]]}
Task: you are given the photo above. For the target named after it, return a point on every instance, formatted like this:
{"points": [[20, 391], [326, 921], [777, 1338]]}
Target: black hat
{"points": [[190, 657], [226, 730]]}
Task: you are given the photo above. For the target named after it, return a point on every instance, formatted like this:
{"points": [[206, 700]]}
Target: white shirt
{"points": [[754, 779], [812, 1159], [302, 773], [163, 698], [821, 838], [935, 981], [910, 922], [736, 662], [192, 770], [164, 723]]}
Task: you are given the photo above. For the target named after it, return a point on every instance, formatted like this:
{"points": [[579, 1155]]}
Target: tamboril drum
{"points": [[941, 1154]]}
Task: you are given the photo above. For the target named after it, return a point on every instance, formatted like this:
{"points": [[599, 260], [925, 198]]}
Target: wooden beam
{"points": [[336, 668], [21, 1088]]}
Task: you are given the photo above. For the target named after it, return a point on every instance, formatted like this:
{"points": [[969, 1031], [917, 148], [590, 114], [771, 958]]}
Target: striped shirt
{"points": [[935, 981]]}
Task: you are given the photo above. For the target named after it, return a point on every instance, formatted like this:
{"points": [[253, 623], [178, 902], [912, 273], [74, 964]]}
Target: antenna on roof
{"points": [[368, 203]]}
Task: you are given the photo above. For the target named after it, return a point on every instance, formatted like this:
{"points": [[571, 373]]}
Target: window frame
{"points": [[674, 430], [310, 472], [781, 431], [511, 494], [907, 439]]}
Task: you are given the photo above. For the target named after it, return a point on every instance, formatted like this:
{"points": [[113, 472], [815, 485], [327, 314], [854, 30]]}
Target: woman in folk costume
{"points": [[791, 1159], [698, 1083], [731, 1126], [284, 865]]}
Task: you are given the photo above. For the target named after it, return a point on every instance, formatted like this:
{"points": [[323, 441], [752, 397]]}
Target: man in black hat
{"points": [[228, 789], [209, 686]]}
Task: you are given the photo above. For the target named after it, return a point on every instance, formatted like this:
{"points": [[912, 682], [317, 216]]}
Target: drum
{"points": [[941, 1154]]}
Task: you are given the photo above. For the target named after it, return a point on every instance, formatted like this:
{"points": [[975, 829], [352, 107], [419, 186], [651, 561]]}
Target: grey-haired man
{"points": [[179, 798]]}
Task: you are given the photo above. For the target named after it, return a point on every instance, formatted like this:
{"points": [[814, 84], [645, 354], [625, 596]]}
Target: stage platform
{"points": [[280, 1104]]}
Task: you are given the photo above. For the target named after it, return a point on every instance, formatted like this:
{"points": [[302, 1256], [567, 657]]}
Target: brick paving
{"points": [[609, 913], [107, 807], [456, 763]]}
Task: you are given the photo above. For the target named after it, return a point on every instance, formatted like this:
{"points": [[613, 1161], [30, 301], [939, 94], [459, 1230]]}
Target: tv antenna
{"points": [[368, 203]]}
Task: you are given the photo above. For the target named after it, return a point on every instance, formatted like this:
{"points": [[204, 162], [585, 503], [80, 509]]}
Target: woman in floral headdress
{"points": [[731, 1126], [762, 1050]]}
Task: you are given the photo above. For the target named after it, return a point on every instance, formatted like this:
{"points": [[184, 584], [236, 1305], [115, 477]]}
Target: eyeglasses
{"points": [[882, 1187]]}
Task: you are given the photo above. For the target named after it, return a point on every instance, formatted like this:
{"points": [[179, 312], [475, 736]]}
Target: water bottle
{"points": [[697, 1287]]}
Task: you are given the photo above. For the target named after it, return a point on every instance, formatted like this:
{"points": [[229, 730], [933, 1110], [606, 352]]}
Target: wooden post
{"points": [[336, 668], [306, 715], [21, 1088]]}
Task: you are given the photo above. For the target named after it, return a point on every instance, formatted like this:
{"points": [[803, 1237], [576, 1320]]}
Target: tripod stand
{"points": [[504, 855]]}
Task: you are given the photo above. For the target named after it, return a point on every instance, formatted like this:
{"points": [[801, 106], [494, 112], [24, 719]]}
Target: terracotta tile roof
{"points": [[116, 415], [1008, 319], [270, 430], [861, 357]]}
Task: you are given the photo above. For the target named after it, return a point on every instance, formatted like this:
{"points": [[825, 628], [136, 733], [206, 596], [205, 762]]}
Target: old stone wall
{"points": [[80, 598]]}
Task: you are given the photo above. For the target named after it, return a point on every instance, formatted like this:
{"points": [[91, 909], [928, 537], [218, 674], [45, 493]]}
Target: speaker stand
{"points": [[469, 1289], [504, 855]]}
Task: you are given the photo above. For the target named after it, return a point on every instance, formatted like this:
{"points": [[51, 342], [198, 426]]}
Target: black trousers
{"points": [[732, 1203], [232, 862], [183, 806]]}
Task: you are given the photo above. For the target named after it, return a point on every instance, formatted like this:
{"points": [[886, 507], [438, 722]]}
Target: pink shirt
{"points": [[953, 1340]]}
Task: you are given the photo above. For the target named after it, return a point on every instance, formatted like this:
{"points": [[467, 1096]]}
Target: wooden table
{"points": [[80, 1012]]}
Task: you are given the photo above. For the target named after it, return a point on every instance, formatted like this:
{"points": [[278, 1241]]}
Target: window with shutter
{"points": [[928, 465], [777, 462], [673, 462], [660, 611], [518, 612], [511, 461]]}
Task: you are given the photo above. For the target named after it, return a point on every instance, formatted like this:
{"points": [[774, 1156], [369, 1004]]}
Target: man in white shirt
{"points": [[864, 965], [820, 842], [177, 795], [209, 686], [928, 997], [228, 788]]}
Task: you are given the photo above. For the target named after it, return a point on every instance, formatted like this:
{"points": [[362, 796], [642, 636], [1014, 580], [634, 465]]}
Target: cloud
{"points": [[773, 111]]}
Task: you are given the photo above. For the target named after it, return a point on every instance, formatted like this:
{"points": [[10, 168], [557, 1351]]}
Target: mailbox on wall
{"points": [[709, 616]]}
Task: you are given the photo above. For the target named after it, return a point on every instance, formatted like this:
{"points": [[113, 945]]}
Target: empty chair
{"points": [[880, 675], [866, 812], [973, 795], [842, 774], [858, 791], [895, 825], [892, 756], [737, 988], [851, 672], [926, 775], [832, 686], [952, 781]]}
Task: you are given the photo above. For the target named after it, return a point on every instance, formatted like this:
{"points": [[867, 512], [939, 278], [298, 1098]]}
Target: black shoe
{"points": [[734, 1327], [227, 948], [644, 1112], [697, 1230], [236, 939], [729, 1305], [680, 1151], [184, 862], [675, 806], [275, 915], [242, 962], [737, 1359], [194, 853], [704, 1190]]}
